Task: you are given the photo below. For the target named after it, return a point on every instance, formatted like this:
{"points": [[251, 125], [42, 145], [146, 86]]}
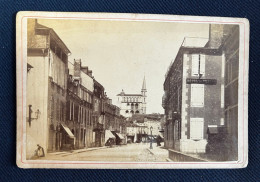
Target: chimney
{"points": [[77, 65], [90, 73], [31, 24], [215, 35], [84, 69]]}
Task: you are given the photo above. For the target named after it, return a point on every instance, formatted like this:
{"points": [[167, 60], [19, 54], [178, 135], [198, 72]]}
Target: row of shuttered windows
{"points": [[197, 96], [78, 113]]}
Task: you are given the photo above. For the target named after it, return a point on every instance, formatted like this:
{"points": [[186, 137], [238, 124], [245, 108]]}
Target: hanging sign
{"points": [[201, 81]]}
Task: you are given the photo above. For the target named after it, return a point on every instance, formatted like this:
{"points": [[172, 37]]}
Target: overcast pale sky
{"points": [[120, 53]]}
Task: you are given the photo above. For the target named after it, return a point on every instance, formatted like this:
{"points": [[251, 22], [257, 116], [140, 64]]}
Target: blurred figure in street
{"points": [[158, 140], [39, 152]]}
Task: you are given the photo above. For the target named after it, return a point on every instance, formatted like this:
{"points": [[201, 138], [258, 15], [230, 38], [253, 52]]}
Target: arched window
{"points": [[136, 106], [137, 111], [126, 111], [132, 111]]}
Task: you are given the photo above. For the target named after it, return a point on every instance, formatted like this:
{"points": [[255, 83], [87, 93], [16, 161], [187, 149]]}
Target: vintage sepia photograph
{"points": [[98, 90]]}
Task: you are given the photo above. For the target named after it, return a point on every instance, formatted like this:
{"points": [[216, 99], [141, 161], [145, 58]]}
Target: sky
{"points": [[121, 53]]}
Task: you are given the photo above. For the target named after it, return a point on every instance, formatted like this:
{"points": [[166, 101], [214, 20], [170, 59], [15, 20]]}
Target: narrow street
{"points": [[125, 153]]}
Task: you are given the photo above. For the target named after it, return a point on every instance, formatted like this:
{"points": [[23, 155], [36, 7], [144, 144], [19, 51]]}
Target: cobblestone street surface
{"points": [[125, 153]]}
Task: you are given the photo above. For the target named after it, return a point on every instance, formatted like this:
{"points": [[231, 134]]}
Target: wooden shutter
{"points": [[197, 95], [195, 64], [202, 64], [196, 128]]}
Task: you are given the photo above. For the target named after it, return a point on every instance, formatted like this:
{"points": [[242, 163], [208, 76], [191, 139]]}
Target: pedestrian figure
{"points": [[39, 151], [158, 140]]}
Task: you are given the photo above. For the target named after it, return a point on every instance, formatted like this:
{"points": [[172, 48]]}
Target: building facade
{"points": [[47, 58], [231, 50], [80, 104], [132, 103], [99, 114], [65, 104], [115, 123], [141, 126], [196, 88]]}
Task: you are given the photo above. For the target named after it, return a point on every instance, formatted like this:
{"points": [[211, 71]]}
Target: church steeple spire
{"points": [[143, 91], [144, 85]]}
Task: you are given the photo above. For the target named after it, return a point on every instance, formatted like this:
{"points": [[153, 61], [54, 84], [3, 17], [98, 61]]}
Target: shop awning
{"points": [[108, 134], [120, 136], [68, 131]]}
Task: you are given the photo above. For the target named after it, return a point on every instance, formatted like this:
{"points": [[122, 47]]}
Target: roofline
{"points": [[205, 50], [59, 41], [130, 95]]}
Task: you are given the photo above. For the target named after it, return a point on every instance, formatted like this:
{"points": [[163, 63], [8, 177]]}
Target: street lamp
{"points": [[151, 140]]}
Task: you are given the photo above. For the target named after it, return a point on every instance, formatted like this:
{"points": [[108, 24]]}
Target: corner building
{"points": [[47, 68], [195, 91], [190, 106]]}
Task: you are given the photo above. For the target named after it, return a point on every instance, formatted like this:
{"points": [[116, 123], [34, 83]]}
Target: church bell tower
{"points": [[143, 91]]}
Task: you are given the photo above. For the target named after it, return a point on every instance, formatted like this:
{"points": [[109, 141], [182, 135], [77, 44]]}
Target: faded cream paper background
{"points": [[167, 22]]}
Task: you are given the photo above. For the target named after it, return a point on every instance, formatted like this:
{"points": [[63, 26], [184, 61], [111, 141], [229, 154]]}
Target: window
{"points": [[76, 113], [68, 113], [52, 107], [62, 112], [202, 64], [222, 95], [82, 115], [196, 128], [178, 99], [176, 130], [86, 117], [73, 111], [195, 64], [198, 64], [126, 111], [89, 117], [197, 95], [222, 121], [57, 110]]}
